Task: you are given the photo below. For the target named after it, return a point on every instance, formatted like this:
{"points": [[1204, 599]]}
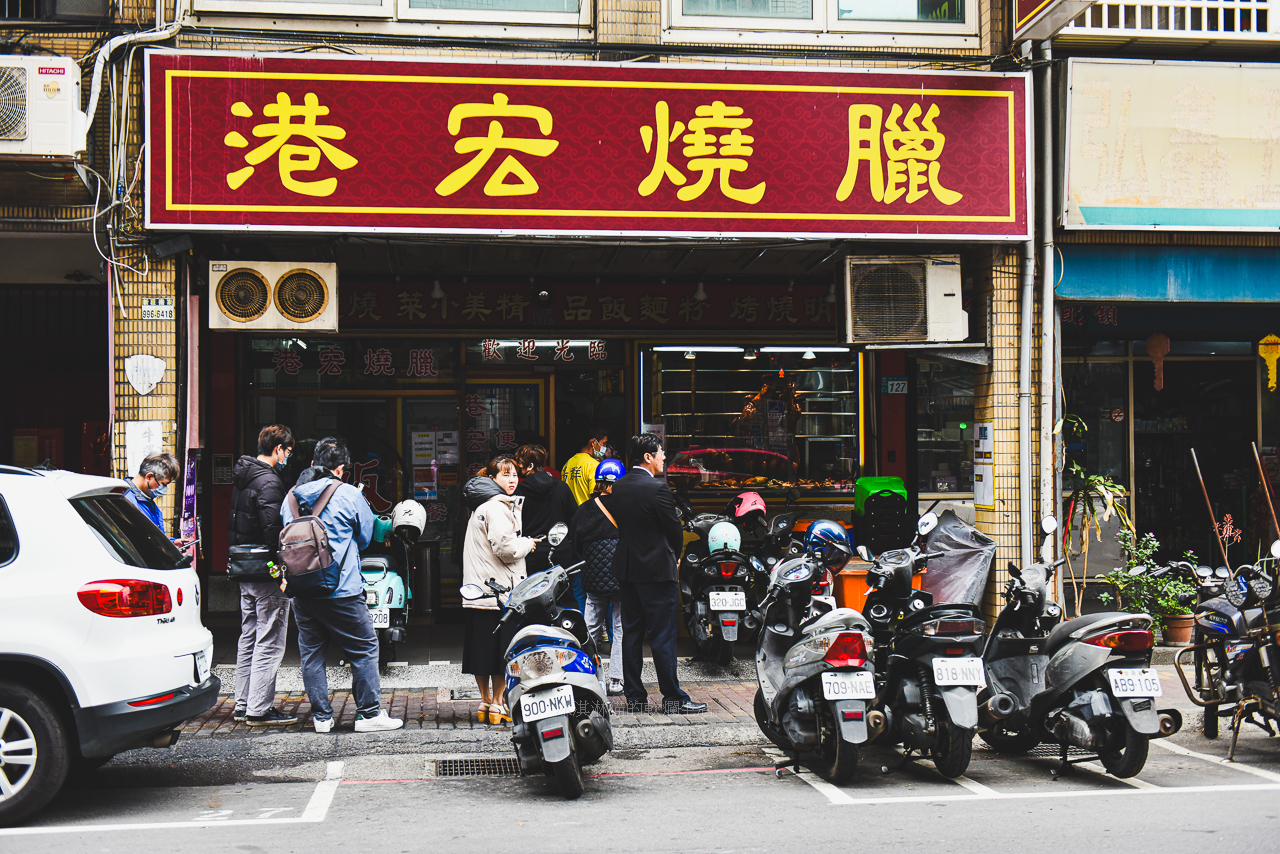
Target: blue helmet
{"points": [[610, 470], [829, 543]]}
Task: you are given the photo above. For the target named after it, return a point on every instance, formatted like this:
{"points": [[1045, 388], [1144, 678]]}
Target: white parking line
{"points": [[317, 809], [1099, 769], [1216, 760]]}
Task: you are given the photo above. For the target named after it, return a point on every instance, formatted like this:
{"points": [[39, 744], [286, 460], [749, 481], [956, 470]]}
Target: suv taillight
{"points": [[126, 597]]}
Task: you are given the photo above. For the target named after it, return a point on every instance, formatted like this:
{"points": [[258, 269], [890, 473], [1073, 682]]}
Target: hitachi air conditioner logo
{"points": [[51, 70]]}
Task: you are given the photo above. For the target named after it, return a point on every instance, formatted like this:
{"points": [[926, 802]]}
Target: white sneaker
{"points": [[381, 722], [322, 726]]}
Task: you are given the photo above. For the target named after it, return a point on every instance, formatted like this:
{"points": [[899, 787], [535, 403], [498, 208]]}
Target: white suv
{"points": [[101, 644]]}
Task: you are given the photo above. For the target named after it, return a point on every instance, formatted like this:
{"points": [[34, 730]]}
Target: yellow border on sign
{"points": [[590, 84], [1031, 14]]}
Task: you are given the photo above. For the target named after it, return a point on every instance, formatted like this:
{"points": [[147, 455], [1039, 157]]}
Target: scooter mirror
{"points": [[1222, 572], [1275, 549], [472, 591], [864, 552], [927, 523], [1049, 524], [1204, 571], [557, 533]]}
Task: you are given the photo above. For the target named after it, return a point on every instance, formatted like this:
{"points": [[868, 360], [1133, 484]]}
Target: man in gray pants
{"points": [[264, 611]]}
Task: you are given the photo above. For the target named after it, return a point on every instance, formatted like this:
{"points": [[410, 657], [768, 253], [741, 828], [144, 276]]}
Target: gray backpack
{"points": [[305, 556]]}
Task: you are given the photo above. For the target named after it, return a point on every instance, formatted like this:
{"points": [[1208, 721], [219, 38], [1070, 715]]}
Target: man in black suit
{"points": [[649, 543]]}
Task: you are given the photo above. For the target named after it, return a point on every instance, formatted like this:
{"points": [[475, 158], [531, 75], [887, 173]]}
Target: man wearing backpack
{"points": [[340, 616]]}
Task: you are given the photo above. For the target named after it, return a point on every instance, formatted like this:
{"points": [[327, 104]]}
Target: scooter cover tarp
{"points": [[960, 575]]}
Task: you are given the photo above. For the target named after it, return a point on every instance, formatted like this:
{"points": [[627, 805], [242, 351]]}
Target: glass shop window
{"points": [[944, 426]]}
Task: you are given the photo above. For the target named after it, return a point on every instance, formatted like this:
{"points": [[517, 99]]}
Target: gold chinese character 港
{"points": [[700, 147], [912, 151], [486, 146], [292, 158]]}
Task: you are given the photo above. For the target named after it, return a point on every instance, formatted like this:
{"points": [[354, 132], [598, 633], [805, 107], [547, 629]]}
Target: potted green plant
{"points": [[1138, 590]]}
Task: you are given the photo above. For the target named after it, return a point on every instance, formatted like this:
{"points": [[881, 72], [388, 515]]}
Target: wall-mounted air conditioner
{"points": [[900, 300], [40, 112], [278, 296]]}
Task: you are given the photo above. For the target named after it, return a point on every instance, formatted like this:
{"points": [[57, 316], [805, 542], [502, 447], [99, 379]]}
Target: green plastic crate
{"points": [[867, 486]]}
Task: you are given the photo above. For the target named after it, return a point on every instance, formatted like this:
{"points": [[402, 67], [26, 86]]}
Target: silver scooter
{"points": [[559, 709], [814, 672]]}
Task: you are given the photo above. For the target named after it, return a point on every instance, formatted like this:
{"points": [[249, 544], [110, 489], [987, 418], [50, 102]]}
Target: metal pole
{"points": [[1025, 524], [1048, 363], [1266, 486], [1213, 520]]}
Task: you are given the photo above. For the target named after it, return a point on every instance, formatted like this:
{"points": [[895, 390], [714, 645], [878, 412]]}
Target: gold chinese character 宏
{"points": [[912, 151], [293, 157], [486, 146]]}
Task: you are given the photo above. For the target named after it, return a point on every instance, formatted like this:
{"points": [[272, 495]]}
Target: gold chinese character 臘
{"points": [[701, 151], [411, 305], [613, 308], [486, 146], [912, 151], [654, 308], [293, 158], [475, 309], [512, 306], [577, 308]]}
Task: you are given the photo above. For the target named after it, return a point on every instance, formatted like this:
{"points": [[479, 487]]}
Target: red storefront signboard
{"points": [[283, 143], [1037, 20]]}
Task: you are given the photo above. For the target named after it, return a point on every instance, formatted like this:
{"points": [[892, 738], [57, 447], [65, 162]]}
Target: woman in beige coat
{"points": [[494, 549]]}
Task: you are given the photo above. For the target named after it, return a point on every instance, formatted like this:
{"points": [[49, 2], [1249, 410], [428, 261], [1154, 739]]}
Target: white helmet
{"points": [[724, 535], [408, 519]]}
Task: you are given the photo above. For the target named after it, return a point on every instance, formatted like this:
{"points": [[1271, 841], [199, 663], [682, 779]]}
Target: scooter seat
{"points": [[376, 563], [540, 635], [1061, 634]]}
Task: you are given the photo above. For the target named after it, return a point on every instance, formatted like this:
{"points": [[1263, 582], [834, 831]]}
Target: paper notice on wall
{"points": [[424, 448], [446, 447], [141, 440], [984, 485], [424, 483], [659, 430]]}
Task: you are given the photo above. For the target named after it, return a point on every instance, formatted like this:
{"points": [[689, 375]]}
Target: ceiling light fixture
{"points": [[751, 354], [689, 354], [809, 354], [437, 292], [700, 295], [677, 349]]}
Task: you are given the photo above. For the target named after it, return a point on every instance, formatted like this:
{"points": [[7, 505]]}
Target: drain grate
{"points": [[480, 766], [1044, 751]]}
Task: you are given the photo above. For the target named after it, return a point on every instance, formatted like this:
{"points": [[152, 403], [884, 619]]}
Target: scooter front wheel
{"points": [[568, 776]]}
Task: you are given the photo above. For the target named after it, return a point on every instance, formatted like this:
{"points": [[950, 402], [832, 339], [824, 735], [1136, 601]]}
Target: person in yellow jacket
{"points": [[580, 471]]}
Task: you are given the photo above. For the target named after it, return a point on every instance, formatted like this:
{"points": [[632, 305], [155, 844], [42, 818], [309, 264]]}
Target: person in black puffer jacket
{"points": [[547, 501], [594, 538], [256, 495]]}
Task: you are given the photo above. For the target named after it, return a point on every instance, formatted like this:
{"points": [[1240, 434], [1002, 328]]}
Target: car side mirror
{"points": [[471, 592], [557, 533]]}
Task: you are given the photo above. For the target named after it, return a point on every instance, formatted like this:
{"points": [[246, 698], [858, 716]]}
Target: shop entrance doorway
{"points": [[1210, 406]]}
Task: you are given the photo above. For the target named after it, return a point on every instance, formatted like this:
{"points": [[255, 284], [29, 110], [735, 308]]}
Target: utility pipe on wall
{"points": [[1025, 524], [1048, 363]]}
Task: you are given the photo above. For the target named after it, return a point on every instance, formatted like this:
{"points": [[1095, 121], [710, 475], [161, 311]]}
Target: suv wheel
{"points": [[33, 753]]}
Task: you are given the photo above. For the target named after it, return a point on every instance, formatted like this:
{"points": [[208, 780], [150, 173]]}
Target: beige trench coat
{"points": [[494, 547]]}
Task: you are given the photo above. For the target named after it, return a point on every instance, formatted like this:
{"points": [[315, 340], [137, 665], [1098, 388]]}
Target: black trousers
{"points": [[650, 608]]}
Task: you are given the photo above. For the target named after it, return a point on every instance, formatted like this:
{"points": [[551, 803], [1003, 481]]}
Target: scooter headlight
{"points": [[540, 663]]}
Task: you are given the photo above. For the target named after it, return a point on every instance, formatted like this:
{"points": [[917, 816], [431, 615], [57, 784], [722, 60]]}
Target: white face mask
{"points": [[599, 452]]}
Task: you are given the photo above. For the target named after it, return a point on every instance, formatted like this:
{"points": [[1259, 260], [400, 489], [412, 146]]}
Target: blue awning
{"points": [[1169, 273]]}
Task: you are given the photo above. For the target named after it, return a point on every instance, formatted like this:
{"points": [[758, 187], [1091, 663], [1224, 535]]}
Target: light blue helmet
{"points": [[610, 470], [724, 535]]}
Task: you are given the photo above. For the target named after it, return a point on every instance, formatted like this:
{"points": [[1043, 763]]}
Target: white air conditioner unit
{"points": [[40, 112], [278, 296], [901, 300]]}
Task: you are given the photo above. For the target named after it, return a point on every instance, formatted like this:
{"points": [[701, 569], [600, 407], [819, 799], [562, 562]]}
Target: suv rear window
{"points": [[127, 533], [8, 536]]}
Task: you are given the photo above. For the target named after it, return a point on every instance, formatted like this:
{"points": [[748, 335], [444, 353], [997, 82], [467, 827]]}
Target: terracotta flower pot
{"points": [[1177, 629]]}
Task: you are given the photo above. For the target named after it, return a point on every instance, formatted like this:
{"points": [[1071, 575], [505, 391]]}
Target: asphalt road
{"points": [[679, 799]]}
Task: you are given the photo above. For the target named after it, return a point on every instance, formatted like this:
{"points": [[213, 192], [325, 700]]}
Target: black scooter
{"points": [[928, 664], [1086, 683]]}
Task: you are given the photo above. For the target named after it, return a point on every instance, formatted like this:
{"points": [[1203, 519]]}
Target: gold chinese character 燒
{"points": [[512, 306], [701, 149], [293, 158], [613, 308], [486, 146], [780, 309], [411, 305], [475, 309], [654, 308], [364, 305], [912, 151], [577, 308]]}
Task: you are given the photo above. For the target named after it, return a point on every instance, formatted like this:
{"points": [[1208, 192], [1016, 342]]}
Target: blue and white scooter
{"points": [[559, 708]]}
